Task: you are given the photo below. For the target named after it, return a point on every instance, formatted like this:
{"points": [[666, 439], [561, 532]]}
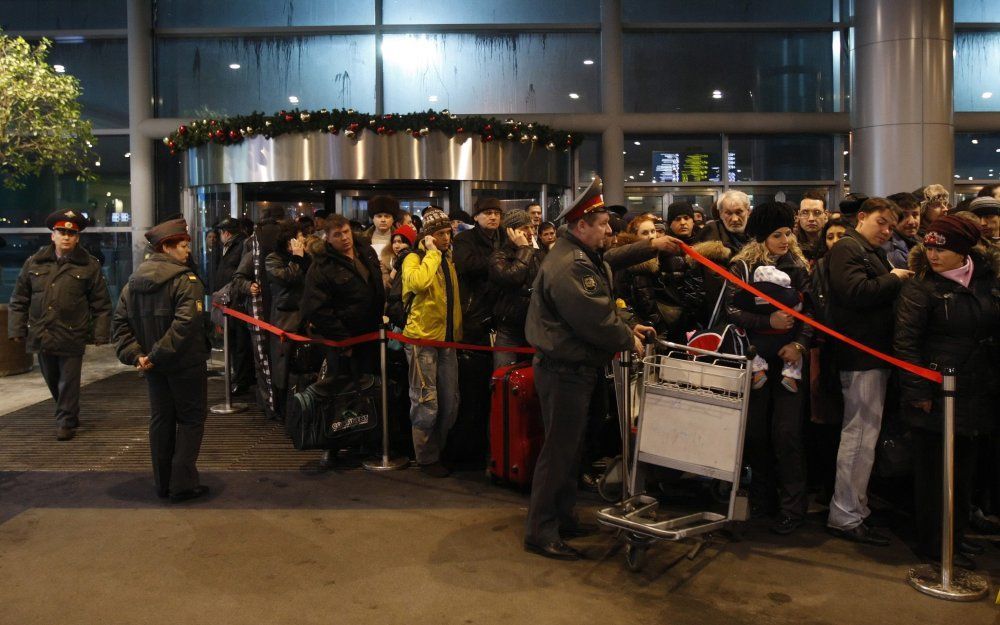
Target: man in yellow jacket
{"points": [[430, 289]]}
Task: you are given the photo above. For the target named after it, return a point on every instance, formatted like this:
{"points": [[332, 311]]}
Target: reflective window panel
{"points": [[237, 13], [727, 11], [491, 12], [588, 160], [113, 249], [781, 157], [708, 72], [977, 70], [232, 76], [492, 73], [977, 156], [61, 14], [977, 11], [101, 65], [105, 200], [696, 158]]}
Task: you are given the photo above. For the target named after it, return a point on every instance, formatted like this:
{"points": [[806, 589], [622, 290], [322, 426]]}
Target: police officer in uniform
{"points": [[576, 328], [60, 295], [160, 329]]}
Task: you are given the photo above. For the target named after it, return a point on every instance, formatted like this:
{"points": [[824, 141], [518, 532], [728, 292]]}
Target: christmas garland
{"points": [[351, 123]]}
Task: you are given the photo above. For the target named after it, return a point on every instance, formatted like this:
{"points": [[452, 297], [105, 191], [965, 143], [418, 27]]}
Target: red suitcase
{"points": [[516, 431]]}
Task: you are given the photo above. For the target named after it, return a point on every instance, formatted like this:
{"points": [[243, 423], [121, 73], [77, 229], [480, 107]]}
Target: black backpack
{"points": [[395, 308]]}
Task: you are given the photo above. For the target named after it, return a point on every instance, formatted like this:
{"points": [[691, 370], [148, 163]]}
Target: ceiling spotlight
{"points": [[59, 69], [957, 176], [574, 96], [128, 155], [623, 152], [716, 95], [97, 163], [293, 99], [975, 142], [432, 98], [987, 95], [998, 149], [588, 61], [631, 177], [846, 152], [970, 177], [234, 66], [637, 143], [108, 194]]}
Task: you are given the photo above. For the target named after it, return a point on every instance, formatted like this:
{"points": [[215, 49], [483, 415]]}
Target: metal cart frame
{"points": [[691, 376]]}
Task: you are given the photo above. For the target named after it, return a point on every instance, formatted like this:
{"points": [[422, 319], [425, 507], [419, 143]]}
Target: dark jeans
{"points": [[241, 361], [928, 470], [62, 375], [568, 398], [774, 446], [178, 401], [509, 337]]}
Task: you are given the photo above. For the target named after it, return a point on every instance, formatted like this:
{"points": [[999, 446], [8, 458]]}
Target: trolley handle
{"points": [[704, 352]]}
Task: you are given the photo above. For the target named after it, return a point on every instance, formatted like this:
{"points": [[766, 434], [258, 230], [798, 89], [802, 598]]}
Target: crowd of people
{"points": [[908, 274]]}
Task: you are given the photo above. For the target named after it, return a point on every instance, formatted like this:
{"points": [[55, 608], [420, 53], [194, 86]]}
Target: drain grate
{"points": [[114, 415]]}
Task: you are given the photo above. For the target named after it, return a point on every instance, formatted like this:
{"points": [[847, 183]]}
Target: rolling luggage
{"points": [[334, 420], [516, 431]]}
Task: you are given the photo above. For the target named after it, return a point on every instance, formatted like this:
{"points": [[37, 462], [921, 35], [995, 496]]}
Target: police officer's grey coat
{"points": [[59, 307], [572, 317]]}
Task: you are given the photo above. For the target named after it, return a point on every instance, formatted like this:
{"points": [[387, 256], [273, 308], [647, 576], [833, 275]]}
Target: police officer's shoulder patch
{"points": [[589, 284], [199, 306], [192, 277]]}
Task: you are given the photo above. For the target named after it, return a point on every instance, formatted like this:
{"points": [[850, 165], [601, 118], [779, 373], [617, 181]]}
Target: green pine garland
{"points": [[351, 124]]}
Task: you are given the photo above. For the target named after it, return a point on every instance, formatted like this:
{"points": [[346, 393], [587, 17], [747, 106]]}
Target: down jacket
{"points": [[424, 282], [160, 314], [513, 269], [939, 324], [337, 302], [58, 306]]}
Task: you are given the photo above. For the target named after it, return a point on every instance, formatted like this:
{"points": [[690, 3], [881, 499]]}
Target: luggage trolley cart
{"points": [[692, 417]]}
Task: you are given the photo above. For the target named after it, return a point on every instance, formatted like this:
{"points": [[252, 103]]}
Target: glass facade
{"points": [[977, 156], [211, 77], [61, 14], [491, 72], [102, 67], [977, 69], [727, 11], [977, 11], [730, 72], [673, 159], [778, 157], [491, 12], [243, 13]]}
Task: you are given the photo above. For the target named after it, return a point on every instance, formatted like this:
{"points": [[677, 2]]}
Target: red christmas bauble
{"points": [[234, 135], [353, 126], [211, 122], [488, 127], [219, 133], [459, 130], [171, 144], [182, 129], [432, 118], [289, 118]]}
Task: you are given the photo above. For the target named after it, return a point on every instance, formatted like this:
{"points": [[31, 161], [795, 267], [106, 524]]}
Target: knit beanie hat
{"points": [[768, 217], [985, 207], [679, 209], [408, 232], [952, 233], [516, 218], [434, 221]]}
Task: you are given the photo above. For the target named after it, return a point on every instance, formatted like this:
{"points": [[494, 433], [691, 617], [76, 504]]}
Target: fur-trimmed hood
{"points": [[984, 257], [650, 267], [714, 251], [314, 245]]}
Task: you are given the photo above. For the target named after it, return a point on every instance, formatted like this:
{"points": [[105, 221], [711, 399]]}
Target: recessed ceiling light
{"points": [[293, 99], [59, 69], [234, 66], [631, 177], [987, 95], [998, 149], [846, 152], [975, 142], [970, 177], [97, 163], [637, 143], [432, 98], [574, 96], [128, 155], [957, 176], [588, 61], [716, 95], [108, 194], [623, 152]]}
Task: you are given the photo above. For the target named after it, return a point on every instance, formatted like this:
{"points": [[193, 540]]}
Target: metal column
{"points": [[140, 108], [902, 95], [613, 139]]}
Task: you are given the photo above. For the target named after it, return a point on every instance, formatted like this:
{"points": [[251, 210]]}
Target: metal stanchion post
{"points": [[228, 407], [385, 463], [625, 370], [948, 583]]}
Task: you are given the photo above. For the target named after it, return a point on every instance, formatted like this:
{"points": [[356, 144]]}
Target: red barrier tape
{"points": [[364, 338], [928, 374]]}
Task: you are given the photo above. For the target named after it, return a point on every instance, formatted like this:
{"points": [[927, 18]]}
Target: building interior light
{"points": [[97, 163], [637, 143], [975, 142], [411, 52], [293, 99], [588, 61], [59, 69], [108, 194], [987, 95], [432, 98], [128, 155], [970, 177], [716, 95], [846, 152], [234, 66], [998, 149], [574, 96]]}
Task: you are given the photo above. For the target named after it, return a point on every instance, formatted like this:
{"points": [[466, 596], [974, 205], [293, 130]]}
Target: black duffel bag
{"points": [[334, 419]]}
